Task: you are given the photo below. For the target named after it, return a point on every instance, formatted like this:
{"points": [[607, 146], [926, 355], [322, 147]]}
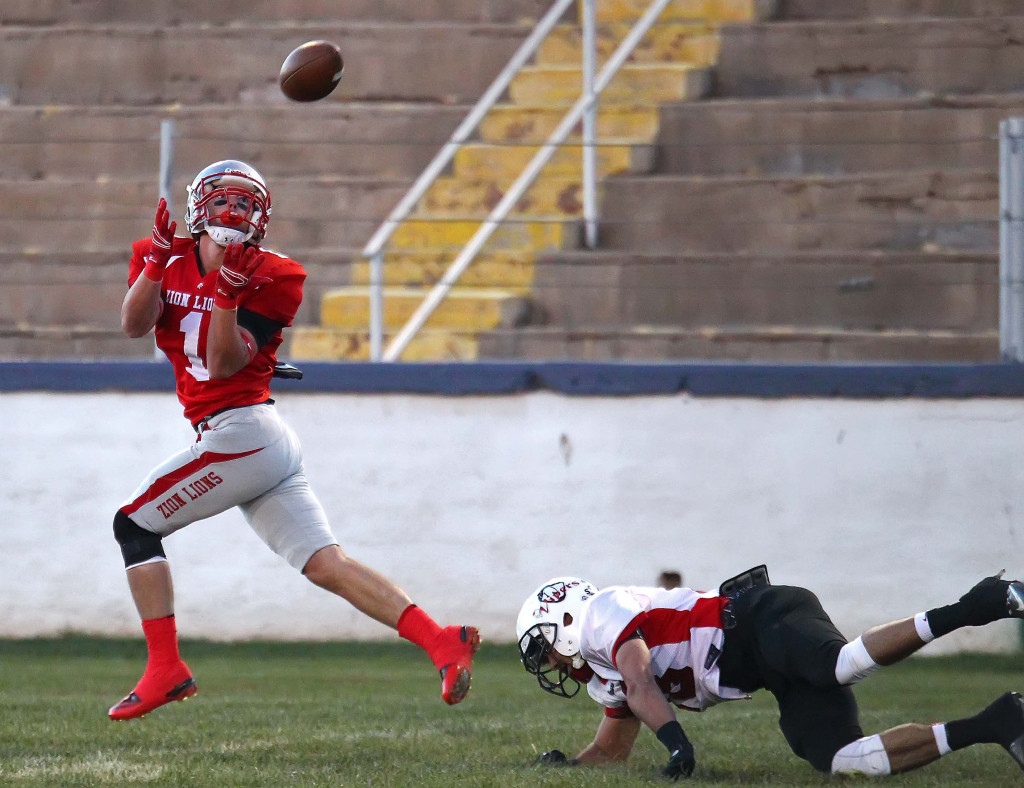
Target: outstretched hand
{"points": [[160, 248], [238, 273], [681, 759], [554, 758], [681, 763]]}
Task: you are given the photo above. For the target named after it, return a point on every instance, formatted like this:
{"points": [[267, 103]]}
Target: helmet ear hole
{"points": [[566, 619]]}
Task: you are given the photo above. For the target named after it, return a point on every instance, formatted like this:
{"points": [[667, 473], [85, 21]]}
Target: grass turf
{"points": [[355, 714]]}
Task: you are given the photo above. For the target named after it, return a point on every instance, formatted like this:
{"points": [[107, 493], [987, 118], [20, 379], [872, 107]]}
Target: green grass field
{"points": [[370, 714]]}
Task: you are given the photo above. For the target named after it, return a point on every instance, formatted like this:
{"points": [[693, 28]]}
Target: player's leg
{"points": [[818, 722], [366, 590], [912, 746], [166, 677], [451, 649], [821, 726], [793, 637], [806, 664], [290, 519], [227, 465], [990, 600]]}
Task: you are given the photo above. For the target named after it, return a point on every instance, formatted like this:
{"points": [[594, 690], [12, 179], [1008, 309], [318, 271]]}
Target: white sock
{"points": [[939, 732], [924, 630]]}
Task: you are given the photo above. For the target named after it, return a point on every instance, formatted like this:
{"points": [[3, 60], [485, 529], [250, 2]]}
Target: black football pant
{"points": [[785, 642]]}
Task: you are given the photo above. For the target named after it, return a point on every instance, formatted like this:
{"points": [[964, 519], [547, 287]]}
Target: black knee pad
{"points": [[137, 544]]}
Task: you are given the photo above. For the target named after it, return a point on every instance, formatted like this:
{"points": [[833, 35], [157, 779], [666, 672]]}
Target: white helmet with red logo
{"points": [[230, 201], [550, 620]]}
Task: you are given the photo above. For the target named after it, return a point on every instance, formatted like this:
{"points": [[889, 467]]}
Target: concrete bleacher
{"points": [[836, 199], [673, 63], [85, 86], [872, 58], [799, 179], [250, 13]]}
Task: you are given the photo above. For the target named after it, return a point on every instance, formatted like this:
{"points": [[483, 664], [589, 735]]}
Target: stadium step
{"points": [[449, 214], [895, 9], [913, 210], [613, 157], [798, 136], [666, 42], [871, 58], [378, 139], [89, 215], [717, 11], [636, 84], [763, 344], [526, 124], [319, 343], [857, 242], [467, 309], [551, 196], [453, 233], [70, 342], [53, 287], [840, 289], [511, 269], [67, 288], [447, 63], [183, 12]]}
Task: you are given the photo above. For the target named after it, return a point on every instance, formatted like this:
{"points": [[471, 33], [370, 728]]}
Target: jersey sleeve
{"points": [[279, 299], [138, 262], [608, 615], [610, 695]]}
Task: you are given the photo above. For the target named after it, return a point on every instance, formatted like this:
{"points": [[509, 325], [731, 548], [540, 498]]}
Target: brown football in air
{"points": [[311, 71]]}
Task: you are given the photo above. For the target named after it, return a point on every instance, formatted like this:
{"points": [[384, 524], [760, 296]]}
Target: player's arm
{"points": [[230, 347], [141, 307], [647, 702], [613, 741], [142, 304]]}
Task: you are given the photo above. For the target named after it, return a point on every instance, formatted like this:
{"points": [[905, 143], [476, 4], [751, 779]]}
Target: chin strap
{"points": [[222, 236]]}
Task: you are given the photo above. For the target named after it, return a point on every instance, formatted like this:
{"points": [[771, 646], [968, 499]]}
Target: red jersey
{"points": [[183, 324]]}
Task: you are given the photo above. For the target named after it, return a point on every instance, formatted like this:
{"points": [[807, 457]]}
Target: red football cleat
{"points": [[152, 692], [456, 675]]}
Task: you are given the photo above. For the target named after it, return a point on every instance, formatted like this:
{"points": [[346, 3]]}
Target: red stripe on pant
{"points": [[162, 486]]}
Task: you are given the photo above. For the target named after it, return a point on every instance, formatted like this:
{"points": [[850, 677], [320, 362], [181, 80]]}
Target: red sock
{"points": [[162, 643], [416, 626]]}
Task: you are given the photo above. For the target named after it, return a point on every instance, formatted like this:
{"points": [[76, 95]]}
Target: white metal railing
{"points": [[584, 108], [1011, 239], [375, 246]]}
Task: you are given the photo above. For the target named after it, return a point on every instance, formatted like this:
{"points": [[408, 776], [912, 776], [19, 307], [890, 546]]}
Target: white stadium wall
{"points": [[883, 507]]}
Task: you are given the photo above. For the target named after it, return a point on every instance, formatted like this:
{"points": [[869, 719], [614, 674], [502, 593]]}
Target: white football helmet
{"points": [[550, 619], [230, 201]]}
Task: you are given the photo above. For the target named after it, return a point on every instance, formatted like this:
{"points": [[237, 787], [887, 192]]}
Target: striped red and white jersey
{"points": [[682, 629], [187, 296]]}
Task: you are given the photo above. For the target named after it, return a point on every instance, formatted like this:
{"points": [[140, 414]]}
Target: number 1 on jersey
{"points": [[190, 328]]}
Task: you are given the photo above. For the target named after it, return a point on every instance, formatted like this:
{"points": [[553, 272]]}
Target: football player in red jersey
{"points": [[641, 651], [217, 302]]}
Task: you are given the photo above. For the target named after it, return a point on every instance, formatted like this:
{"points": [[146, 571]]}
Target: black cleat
{"points": [[1015, 599], [1008, 714]]}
